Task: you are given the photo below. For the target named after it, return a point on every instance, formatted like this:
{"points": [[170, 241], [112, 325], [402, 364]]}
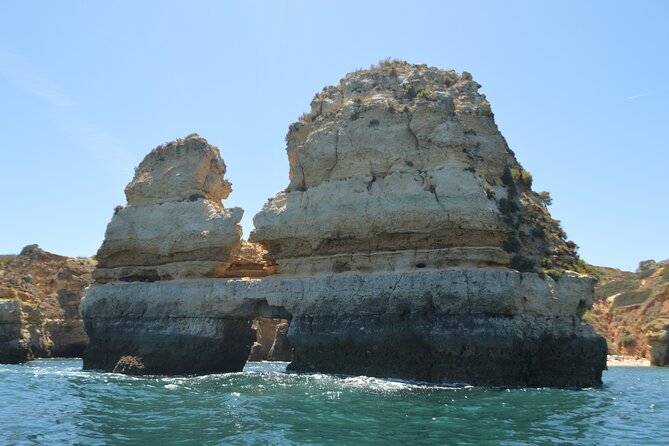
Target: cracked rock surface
{"points": [[401, 158], [174, 225]]}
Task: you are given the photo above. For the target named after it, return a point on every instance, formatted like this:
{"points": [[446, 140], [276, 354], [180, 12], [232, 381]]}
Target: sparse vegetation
{"points": [[617, 286], [629, 298], [646, 268], [522, 175], [6, 259], [448, 78], [409, 90], [507, 207], [426, 93], [522, 264], [665, 273], [389, 65], [628, 340], [489, 192], [512, 245], [546, 198]]}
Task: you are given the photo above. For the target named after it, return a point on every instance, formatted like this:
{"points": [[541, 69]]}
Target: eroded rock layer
{"points": [[483, 326], [403, 166], [174, 224]]}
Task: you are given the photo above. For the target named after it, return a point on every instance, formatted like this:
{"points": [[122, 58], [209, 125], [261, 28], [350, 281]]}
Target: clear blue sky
{"points": [[87, 89]]}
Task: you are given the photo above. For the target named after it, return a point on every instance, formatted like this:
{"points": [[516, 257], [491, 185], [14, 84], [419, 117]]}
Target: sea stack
{"points": [[437, 261], [408, 244], [174, 225]]}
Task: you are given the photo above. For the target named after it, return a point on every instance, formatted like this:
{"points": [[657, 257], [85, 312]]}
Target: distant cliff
{"points": [[631, 310], [39, 305]]}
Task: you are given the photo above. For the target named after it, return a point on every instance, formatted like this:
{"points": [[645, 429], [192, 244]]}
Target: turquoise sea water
{"points": [[54, 402]]}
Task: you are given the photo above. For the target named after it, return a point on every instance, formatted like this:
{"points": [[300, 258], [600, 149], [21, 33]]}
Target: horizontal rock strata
{"points": [[408, 244], [174, 224], [437, 326]]}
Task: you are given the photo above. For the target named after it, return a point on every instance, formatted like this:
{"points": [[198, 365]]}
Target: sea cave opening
{"points": [[270, 324]]}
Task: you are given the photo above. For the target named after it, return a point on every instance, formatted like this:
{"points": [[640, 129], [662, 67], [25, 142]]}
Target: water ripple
{"points": [[55, 402]]}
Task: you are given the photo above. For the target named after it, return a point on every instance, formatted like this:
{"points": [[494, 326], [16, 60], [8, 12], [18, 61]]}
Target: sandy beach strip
{"points": [[626, 361]]}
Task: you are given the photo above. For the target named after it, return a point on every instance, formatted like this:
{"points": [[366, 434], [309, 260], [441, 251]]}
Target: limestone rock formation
{"points": [[250, 261], [631, 310], [39, 300], [174, 224], [409, 244], [280, 350], [266, 329], [399, 167], [13, 348], [255, 355]]}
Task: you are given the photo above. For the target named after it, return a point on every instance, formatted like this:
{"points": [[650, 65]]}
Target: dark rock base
{"points": [[169, 346], [14, 352], [482, 352]]}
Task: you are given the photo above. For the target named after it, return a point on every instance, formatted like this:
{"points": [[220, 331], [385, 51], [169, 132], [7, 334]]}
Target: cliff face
{"points": [[631, 310], [408, 244], [39, 300], [173, 228], [405, 164], [174, 224]]}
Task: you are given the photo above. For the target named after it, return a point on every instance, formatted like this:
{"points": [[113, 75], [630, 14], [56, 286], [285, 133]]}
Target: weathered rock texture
{"points": [[399, 167], [250, 261], [409, 244], [482, 326], [39, 300], [174, 224], [281, 350], [266, 331], [631, 310]]}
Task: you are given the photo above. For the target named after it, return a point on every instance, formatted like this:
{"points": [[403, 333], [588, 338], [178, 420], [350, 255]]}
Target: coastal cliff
{"points": [[408, 244], [39, 299], [631, 310]]}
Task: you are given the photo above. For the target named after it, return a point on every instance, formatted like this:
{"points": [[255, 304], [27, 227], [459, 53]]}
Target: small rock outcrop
{"points": [[39, 300], [409, 244], [174, 225], [280, 350]]}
